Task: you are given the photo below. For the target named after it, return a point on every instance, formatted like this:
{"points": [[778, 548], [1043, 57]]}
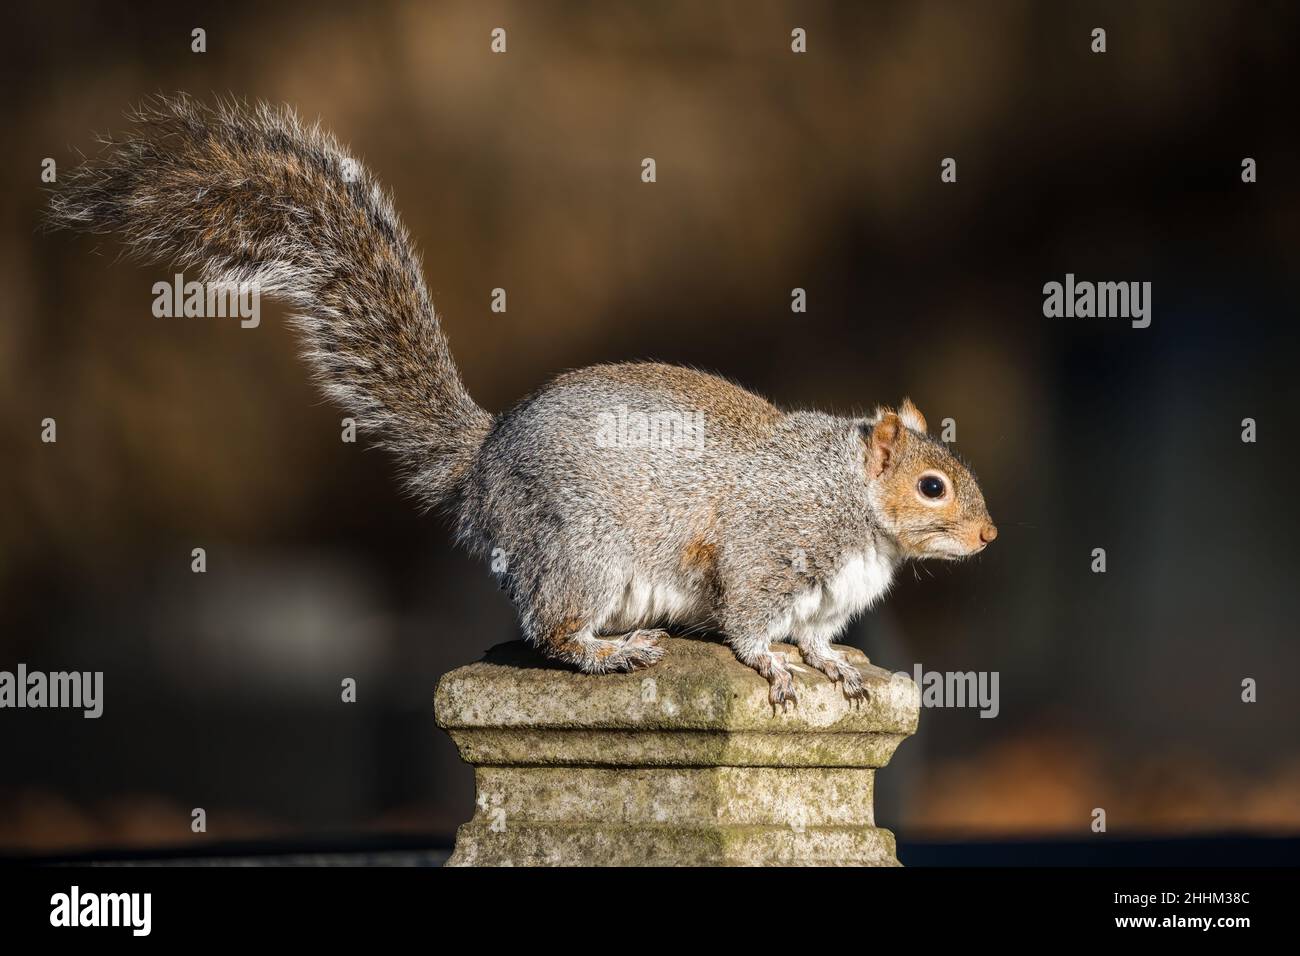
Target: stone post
{"points": [[684, 763]]}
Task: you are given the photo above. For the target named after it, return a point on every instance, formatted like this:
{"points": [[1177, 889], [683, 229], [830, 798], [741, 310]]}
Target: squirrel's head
{"points": [[921, 494]]}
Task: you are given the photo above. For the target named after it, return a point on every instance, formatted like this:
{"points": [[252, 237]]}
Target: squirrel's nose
{"points": [[988, 533]]}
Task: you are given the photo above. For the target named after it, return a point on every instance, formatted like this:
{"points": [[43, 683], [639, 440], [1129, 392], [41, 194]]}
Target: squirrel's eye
{"points": [[931, 486]]}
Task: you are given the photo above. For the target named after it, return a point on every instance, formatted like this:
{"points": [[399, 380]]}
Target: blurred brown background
{"points": [[820, 171]]}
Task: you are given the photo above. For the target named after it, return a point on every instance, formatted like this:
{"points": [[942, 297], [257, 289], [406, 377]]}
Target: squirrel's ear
{"points": [[882, 444], [911, 416]]}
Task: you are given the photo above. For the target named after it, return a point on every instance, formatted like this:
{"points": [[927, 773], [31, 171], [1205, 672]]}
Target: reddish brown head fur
{"points": [[924, 496]]}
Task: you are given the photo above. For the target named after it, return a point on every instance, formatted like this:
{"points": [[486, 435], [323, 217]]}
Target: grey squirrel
{"points": [[764, 525]]}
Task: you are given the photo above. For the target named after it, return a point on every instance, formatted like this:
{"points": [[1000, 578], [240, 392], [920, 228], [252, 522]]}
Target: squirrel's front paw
{"points": [[852, 684], [841, 672], [781, 689]]}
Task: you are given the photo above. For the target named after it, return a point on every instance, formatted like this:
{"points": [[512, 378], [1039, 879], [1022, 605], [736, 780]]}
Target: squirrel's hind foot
{"points": [[604, 655], [636, 650]]}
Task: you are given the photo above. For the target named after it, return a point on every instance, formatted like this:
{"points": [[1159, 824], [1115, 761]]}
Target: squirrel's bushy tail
{"points": [[250, 194]]}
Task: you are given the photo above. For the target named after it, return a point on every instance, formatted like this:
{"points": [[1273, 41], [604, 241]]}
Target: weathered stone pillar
{"points": [[681, 764]]}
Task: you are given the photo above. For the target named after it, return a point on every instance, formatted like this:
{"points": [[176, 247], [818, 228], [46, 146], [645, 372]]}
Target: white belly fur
{"points": [[645, 601], [822, 611]]}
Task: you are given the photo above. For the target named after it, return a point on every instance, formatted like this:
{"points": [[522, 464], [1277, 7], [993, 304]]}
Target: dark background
{"points": [[821, 171]]}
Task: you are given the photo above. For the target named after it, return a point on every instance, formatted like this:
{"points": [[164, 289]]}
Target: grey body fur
{"points": [[770, 526], [614, 540]]}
